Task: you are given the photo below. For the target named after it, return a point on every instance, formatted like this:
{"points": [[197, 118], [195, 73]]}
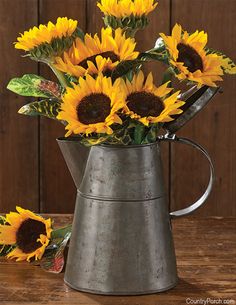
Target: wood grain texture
{"points": [[214, 126], [94, 20], [18, 134], [57, 190], [206, 259], [32, 170]]}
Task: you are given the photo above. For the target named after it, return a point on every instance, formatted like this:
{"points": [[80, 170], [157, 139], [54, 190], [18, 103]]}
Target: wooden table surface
{"points": [[206, 259]]}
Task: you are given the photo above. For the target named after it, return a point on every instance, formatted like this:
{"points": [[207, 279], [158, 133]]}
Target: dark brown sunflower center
{"points": [[94, 108], [191, 59], [145, 104], [28, 233], [109, 54]]}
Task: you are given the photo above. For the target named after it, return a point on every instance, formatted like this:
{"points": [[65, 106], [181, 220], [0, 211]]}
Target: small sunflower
{"points": [[125, 8], [190, 59], [29, 233], [47, 38], [147, 103], [91, 106], [94, 55], [130, 15]]}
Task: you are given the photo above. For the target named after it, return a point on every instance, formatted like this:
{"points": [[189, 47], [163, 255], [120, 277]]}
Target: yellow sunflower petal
{"points": [[177, 32], [163, 90], [7, 235], [124, 8]]}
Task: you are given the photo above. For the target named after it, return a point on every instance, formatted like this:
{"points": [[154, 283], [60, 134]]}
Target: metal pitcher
{"points": [[121, 240]]}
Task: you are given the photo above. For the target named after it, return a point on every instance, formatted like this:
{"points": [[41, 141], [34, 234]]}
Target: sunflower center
{"points": [[145, 104], [109, 54], [28, 233], [94, 108], [191, 59]]}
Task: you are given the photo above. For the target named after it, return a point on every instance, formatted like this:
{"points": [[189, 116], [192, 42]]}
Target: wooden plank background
{"points": [[32, 171]]}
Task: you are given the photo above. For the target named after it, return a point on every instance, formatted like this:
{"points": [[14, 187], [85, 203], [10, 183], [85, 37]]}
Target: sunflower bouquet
{"points": [[102, 94]]}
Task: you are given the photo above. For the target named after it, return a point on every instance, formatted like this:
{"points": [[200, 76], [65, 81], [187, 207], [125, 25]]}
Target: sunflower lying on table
{"points": [[25, 235]]}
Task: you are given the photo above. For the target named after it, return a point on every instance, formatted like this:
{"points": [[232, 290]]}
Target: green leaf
{"points": [[2, 220], [158, 54], [90, 141], [167, 76], [79, 33], [4, 249], [48, 108], [71, 79], [139, 133], [121, 134], [61, 232], [152, 134], [122, 138], [127, 66], [34, 85], [53, 259]]}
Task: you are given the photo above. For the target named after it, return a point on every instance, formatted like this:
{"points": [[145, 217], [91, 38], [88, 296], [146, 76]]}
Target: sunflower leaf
{"points": [[90, 141], [138, 133], [158, 54], [151, 135], [121, 136], [48, 108], [53, 259], [34, 85], [2, 220], [127, 66], [5, 249], [79, 33], [61, 232]]}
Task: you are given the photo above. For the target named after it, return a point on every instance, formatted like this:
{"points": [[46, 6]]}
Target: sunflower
{"points": [[147, 103], [189, 58], [29, 233], [125, 8], [48, 38], [129, 15], [91, 106], [94, 55]]}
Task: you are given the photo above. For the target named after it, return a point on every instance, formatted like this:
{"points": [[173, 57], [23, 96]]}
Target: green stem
{"points": [[167, 76], [130, 33], [59, 75]]}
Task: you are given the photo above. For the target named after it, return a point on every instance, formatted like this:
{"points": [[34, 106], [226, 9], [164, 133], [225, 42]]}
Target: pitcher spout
{"points": [[76, 156]]}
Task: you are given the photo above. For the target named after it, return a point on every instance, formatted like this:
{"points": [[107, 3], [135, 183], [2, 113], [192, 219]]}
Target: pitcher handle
{"points": [[194, 206]]}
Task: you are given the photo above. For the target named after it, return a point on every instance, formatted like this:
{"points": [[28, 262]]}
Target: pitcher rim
{"points": [[72, 139]]}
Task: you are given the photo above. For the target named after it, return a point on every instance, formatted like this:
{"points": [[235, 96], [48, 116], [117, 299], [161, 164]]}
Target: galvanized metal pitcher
{"points": [[121, 240]]}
